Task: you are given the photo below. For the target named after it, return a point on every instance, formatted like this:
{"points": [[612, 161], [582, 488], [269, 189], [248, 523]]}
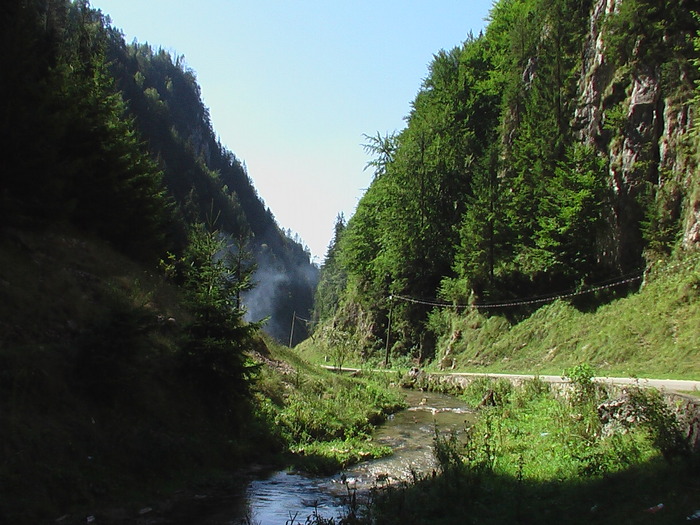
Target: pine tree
{"points": [[333, 277], [217, 336]]}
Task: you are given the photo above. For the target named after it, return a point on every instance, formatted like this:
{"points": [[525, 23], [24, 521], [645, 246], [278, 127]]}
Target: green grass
{"points": [[327, 457], [693, 393], [539, 458], [323, 418], [650, 333]]}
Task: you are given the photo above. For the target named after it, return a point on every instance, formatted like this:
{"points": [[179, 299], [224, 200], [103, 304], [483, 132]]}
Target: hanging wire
{"points": [[521, 302]]}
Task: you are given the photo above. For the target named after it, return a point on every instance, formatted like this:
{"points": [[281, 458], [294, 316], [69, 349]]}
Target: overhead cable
{"points": [[519, 302]]}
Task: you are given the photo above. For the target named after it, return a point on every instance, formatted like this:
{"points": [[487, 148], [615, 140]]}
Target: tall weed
{"points": [[656, 417], [581, 378]]}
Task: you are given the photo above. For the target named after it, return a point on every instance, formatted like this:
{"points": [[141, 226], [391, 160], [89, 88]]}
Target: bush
{"points": [[654, 414], [581, 378]]}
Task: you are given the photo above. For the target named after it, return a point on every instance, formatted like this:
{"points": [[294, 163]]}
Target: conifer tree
{"points": [[332, 278], [217, 336]]}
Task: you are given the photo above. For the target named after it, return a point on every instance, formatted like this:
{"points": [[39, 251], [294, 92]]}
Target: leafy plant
{"points": [[340, 344], [447, 453], [655, 415], [581, 378]]}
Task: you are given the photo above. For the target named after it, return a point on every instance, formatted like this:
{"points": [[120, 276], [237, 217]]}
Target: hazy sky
{"points": [[293, 85]]}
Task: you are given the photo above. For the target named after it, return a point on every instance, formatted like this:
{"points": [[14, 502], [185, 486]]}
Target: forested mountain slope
{"points": [[553, 153], [125, 358], [208, 182], [115, 138]]}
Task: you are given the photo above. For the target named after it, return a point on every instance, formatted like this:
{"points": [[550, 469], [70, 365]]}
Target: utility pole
{"points": [[291, 332], [388, 332]]}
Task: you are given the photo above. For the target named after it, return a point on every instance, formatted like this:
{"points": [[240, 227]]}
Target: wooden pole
{"points": [[291, 332], [388, 332]]}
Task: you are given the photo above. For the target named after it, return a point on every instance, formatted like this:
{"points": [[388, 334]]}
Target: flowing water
{"points": [[285, 497]]}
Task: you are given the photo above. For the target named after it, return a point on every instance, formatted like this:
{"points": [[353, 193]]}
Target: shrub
{"points": [[581, 378]]}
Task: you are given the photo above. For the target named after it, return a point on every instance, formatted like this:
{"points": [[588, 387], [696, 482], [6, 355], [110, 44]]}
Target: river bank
{"points": [[269, 494], [292, 496], [680, 396], [534, 455], [529, 457]]}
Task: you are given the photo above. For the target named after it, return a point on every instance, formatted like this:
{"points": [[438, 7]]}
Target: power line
{"points": [[520, 302], [296, 318]]}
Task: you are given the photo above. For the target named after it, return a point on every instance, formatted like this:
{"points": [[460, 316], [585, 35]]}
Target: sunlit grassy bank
{"points": [[322, 418], [652, 332], [533, 457]]}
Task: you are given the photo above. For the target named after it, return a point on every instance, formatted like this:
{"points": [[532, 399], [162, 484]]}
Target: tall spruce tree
{"points": [[217, 336], [332, 278], [75, 156]]}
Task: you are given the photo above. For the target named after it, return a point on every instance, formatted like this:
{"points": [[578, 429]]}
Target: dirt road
{"points": [[669, 385]]}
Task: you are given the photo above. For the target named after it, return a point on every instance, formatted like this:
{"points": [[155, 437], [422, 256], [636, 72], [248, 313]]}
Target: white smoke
{"points": [[260, 302]]}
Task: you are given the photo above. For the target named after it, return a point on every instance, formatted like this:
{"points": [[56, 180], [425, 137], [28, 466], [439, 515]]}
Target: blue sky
{"points": [[292, 86]]}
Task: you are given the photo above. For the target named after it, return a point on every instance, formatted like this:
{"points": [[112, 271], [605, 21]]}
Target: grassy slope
{"points": [[324, 419], [651, 333], [94, 410]]}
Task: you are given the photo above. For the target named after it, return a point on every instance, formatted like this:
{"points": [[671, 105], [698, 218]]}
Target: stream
{"points": [[288, 497]]}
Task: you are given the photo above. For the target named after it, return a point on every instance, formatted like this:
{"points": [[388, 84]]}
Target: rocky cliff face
{"points": [[638, 114]]}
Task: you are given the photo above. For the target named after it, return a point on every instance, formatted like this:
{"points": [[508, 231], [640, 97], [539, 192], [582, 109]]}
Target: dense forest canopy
{"points": [[551, 153], [72, 152], [114, 138]]}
